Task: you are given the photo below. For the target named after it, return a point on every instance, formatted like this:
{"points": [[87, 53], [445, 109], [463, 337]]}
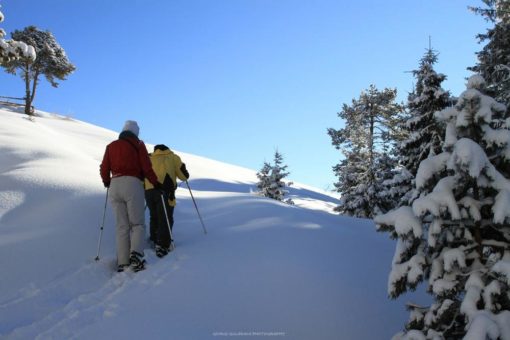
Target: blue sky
{"points": [[233, 80]]}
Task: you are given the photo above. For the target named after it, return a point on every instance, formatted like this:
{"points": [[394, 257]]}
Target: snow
{"points": [[482, 327], [429, 167], [499, 137], [440, 198], [411, 270], [434, 230], [476, 81], [503, 321], [477, 107], [442, 286], [14, 49], [474, 287], [452, 256], [473, 207], [412, 335], [468, 154], [494, 288], [404, 221], [500, 207], [264, 268], [503, 267]]}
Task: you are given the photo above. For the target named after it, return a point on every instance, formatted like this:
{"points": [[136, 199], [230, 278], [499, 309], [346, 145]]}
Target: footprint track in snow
{"points": [[62, 307]]}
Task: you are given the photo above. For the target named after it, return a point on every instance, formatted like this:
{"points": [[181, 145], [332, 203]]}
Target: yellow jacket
{"points": [[167, 166]]}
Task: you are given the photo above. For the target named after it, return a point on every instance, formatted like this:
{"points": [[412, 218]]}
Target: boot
{"points": [[137, 261]]}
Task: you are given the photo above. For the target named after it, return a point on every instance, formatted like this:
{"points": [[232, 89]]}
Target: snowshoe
{"points": [[161, 251], [122, 267], [137, 261]]}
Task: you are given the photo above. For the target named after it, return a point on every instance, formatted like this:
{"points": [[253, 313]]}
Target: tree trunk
{"points": [[28, 97], [34, 86], [371, 141]]}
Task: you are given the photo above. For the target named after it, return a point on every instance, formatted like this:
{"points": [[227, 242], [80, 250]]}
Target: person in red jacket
{"points": [[125, 165]]}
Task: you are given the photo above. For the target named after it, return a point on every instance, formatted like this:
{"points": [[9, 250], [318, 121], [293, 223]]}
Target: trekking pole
{"points": [[195, 203], [167, 220], [102, 226]]}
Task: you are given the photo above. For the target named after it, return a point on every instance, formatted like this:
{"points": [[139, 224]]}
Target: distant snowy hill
{"points": [[263, 269]]}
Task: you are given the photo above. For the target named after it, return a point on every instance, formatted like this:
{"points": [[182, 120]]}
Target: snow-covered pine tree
{"points": [[456, 235], [355, 197], [371, 123], [271, 177], [51, 61], [12, 50], [264, 176], [423, 133], [395, 182], [494, 58]]}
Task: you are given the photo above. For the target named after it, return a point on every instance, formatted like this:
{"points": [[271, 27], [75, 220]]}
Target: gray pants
{"points": [[127, 199]]}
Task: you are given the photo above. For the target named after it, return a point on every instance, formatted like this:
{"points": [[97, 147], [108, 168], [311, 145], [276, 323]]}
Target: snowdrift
{"points": [[263, 269]]}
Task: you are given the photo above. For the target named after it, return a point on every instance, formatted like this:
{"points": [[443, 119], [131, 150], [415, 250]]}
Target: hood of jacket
{"points": [[159, 153]]}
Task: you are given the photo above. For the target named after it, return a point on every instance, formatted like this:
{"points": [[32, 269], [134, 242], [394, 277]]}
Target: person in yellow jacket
{"points": [[168, 167]]}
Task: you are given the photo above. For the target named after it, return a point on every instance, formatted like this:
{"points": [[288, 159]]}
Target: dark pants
{"points": [[159, 232]]}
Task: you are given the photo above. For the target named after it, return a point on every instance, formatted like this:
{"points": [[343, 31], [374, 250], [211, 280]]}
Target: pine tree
{"points": [[271, 177], [423, 133], [264, 176], [11, 50], [51, 61], [494, 58], [371, 124], [355, 196], [456, 235]]}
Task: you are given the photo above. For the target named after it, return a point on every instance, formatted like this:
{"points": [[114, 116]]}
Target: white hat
{"points": [[132, 126]]}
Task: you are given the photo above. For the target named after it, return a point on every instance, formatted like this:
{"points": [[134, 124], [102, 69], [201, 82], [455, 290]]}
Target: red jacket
{"points": [[127, 156]]}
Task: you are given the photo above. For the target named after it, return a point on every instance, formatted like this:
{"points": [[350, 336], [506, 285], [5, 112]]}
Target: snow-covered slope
{"points": [[264, 268]]}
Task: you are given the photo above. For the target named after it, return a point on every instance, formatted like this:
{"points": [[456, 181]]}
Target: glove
{"points": [[184, 170], [106, 184]]}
